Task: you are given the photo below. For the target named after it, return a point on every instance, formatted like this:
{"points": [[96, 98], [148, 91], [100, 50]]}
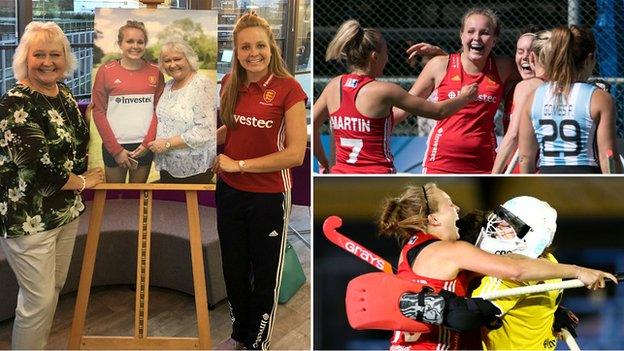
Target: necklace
{"points": [[65, 116]]}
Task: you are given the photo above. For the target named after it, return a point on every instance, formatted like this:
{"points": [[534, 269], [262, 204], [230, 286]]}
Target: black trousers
{"points": [[252, 233]]}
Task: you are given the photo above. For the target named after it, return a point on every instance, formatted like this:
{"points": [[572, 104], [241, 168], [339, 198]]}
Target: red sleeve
{"points": [[151, 132], [99, 97], [295, 94]]}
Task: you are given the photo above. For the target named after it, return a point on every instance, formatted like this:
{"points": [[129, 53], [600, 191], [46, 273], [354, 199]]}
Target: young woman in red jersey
{"points": [[125, 93], [359, 107], [263, 112], [424, 219], [465, 142], [514, 97]]}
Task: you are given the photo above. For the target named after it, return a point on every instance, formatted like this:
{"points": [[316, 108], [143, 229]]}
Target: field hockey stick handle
{"points": [[532, 289], [513, 162], [569, 340]]}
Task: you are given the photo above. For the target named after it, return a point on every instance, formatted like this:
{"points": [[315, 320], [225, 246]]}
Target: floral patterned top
{"points": [[42, 140], [191, 113]]}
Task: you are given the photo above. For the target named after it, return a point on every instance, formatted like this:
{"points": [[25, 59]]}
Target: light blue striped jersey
{"points": [[565, 131]]}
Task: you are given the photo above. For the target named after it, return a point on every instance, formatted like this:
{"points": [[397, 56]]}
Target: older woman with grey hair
{"points": [[43, 170], [185, 144]]}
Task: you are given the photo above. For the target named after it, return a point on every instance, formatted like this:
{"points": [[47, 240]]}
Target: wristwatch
{"points": [[242, 165], [167, 145]]}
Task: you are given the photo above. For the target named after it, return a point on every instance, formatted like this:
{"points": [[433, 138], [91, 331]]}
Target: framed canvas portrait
{"points": [[154, 95]]}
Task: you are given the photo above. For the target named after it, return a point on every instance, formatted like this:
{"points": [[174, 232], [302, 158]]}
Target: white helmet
{"points": [[533, 221]]}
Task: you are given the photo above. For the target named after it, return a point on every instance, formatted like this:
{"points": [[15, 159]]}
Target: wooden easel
{"points": [[141, 340]]}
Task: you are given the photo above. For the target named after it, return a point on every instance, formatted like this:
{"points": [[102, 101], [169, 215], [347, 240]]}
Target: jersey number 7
{"points": [[356, 147]]}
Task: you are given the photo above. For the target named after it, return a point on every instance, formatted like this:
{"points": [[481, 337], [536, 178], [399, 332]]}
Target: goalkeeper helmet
{"points": [[531, 222]]}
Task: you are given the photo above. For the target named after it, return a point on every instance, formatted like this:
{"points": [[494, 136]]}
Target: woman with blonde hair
{"points": [[423, 219], [570, 123], [263, 112], [359, 107], [185, 144], [43, 170], [465, 142], [537, 57]]}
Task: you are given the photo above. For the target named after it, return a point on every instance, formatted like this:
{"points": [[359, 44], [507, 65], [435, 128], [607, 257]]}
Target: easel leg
{"points": [[199, 278], [143, 265], [86, 274]]}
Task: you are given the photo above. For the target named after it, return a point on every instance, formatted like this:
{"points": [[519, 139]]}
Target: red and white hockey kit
{"points": [[465, 142], [124, 102], [362, 143], [440, 338]]}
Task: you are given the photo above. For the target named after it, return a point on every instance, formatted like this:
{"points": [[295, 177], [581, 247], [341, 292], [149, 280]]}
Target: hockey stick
{"points": [[512, 163], [569, 340], [532, 289], [331, 233]]}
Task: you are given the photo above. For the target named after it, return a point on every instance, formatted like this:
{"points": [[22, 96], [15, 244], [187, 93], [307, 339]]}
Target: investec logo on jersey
{"points": [[253, 122], [350, 123], [480, 98], [133, 100], [436, 142]]}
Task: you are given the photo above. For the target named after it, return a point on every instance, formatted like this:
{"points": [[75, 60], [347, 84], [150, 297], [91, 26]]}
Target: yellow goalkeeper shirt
{"points": [[527, 319]]}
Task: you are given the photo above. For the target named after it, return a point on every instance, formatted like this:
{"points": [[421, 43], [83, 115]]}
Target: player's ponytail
{"points": [[403, 216], [541, 46], [353, 44], [559, 64], [565, 63]]}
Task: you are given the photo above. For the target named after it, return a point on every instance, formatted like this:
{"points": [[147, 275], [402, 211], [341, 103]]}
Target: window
{"points": [[303, 41], [8, 40], [76, 20]]}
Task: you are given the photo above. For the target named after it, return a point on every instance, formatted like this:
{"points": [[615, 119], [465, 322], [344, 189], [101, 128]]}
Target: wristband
{"points": [[84, 183]]}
